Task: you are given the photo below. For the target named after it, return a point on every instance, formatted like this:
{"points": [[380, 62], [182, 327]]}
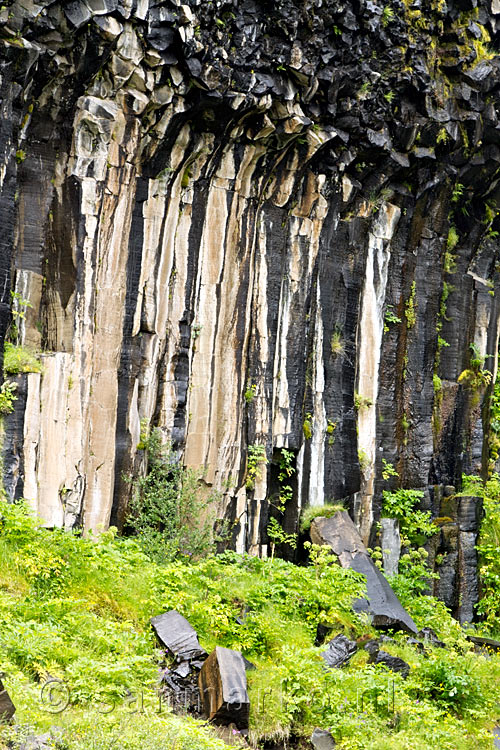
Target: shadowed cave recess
{"points": [[250, 224]]}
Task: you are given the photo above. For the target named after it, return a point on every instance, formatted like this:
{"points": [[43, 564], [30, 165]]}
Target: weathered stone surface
{"points": [[321, 739], [223, 688], [460, 519], [339, 652], [7, 708], [177, 636], [391, 545], [265, 203], [340, 533]]}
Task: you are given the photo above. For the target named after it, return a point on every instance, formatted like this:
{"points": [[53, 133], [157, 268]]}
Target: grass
{"points": [[78, 610], [314, 511], [18, 359]]}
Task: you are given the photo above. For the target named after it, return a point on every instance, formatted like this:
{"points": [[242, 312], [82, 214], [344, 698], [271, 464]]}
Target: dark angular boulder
{"points": [[340, 533], [176, 635], [394, 663], [484, 643], [339, 651], [321, 739], [7, 708], [223, 688]]}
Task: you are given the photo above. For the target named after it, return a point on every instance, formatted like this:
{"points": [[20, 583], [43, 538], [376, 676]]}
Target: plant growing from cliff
{"points": [[307, 426], [475, 377], [402, 504], [169, 512], [286, 471], [388, 470], [330, 431], [457, 193], [361, 402], [337, 345], [450, 259], [390, 317], [20, 156], [250, 393], [387, 15], [7, 397], [411, 307], [256, 460], [18, 359]]}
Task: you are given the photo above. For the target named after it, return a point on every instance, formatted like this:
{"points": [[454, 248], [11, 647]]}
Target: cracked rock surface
{"points": [[296, 200]]}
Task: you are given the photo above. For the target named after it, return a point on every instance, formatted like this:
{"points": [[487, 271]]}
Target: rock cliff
{"points": [[249, 223]]}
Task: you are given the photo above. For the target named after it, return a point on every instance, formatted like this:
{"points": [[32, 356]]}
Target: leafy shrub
{"points": [[450, 684], [401, 504], [168, 511]]}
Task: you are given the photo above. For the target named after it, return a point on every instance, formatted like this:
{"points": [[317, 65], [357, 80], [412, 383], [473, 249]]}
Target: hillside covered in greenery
{"points": [[77, 610]]}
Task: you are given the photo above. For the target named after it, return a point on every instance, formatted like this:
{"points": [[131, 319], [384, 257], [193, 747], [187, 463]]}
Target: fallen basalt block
{"points": [[175, 634], [223, 688], [484, 644], [340, 533], [7, 708], [339, 651]]}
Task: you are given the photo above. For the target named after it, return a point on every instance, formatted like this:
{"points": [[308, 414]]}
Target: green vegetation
{"points": [[411, 307], [316, 511], [390, 317], [361, 402], [250, 393], [275, 531], [475, 376], [416, 525], [307, 426], [388, 470], [256, 461], [17, 359], [78, 609], [168, 510], [278, 535], [337, 345], [7, 397]]}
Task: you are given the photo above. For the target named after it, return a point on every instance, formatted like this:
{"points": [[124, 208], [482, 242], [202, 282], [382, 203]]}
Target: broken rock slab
{"points": [[339, 651], [223, 688], [176, 635], [7, 708], [340, 533]]}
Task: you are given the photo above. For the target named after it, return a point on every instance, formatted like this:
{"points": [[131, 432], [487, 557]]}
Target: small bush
{"points": [[169, 512]]}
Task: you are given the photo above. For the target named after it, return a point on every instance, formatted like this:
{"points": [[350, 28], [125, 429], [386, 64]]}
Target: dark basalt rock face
{"points": [[292, 199]]}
